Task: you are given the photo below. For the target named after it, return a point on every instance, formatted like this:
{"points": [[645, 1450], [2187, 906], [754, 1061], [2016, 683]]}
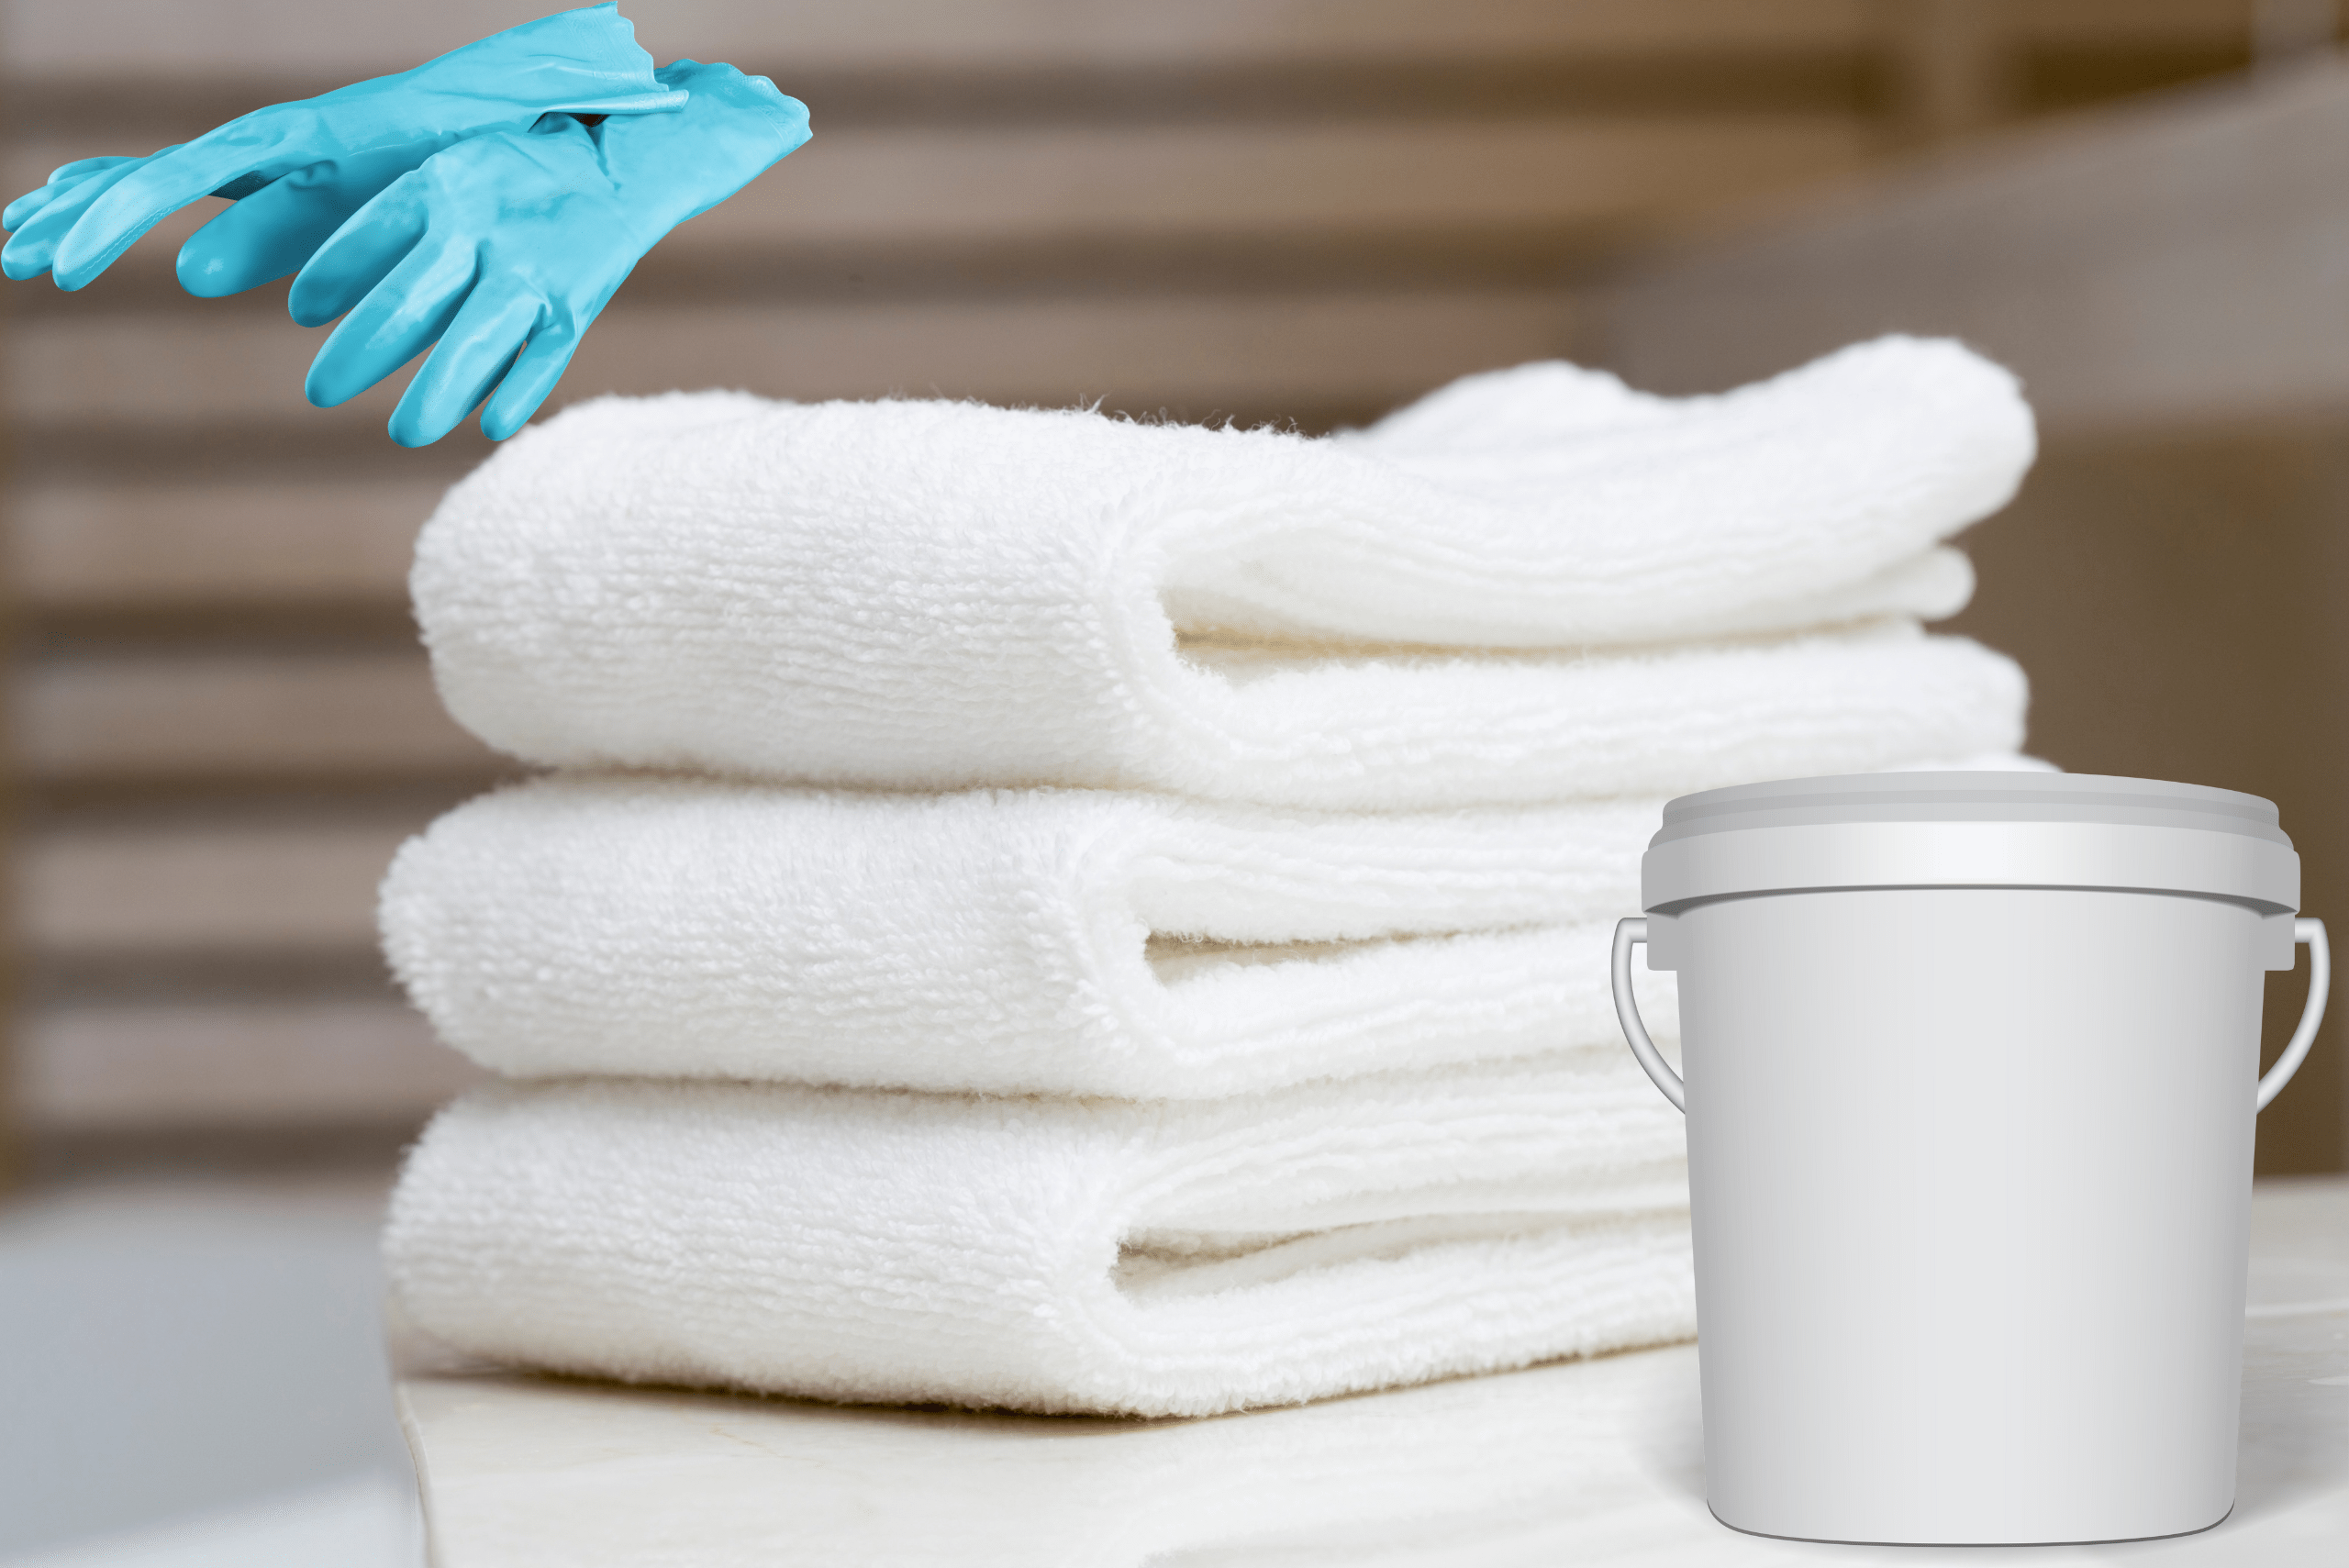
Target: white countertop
{"points": [[1597, 1462]]}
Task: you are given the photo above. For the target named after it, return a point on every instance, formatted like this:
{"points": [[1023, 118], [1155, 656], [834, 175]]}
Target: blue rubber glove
{"points": [[300, 169], [504, 247]]}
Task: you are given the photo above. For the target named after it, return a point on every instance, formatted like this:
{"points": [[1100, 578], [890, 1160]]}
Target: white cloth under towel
{"points": [[1005, 942], [939, 595], [1054, 1255], [1570, 1463]]}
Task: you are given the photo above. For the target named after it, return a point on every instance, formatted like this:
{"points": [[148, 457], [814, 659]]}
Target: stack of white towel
{"points": [[1048, 911]]}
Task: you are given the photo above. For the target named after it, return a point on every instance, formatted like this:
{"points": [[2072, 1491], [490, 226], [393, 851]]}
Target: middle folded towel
{"points": [[1049, 941]]}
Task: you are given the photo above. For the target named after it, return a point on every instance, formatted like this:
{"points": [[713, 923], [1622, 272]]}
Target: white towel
{"points": [[1051, 1255], [1005, 942], [939, 595]]}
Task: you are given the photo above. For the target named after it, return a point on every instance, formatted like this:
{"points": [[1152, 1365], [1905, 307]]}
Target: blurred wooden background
{"points": [[1301, 210]]}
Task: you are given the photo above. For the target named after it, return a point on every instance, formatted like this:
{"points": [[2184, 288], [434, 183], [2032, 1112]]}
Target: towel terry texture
{"points": [[1051, 1254], [939, 595], [1054, 912]]}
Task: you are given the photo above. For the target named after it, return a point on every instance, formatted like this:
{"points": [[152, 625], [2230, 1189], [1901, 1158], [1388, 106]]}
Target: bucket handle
{"points": [[1630, 933], [2312, 1013]]}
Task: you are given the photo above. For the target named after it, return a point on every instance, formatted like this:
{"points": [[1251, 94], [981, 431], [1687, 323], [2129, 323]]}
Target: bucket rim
{"points": [[1972, 829], [1970, 797]]}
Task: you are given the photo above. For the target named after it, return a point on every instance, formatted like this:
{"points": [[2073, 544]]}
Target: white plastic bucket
{"points": [[1970, 1067]]}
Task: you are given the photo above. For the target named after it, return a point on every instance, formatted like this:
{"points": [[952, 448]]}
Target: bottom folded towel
{"points": [[1054, 1255]]}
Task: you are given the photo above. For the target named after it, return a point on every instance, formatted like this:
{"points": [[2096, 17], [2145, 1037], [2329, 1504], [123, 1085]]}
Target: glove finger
{"points": [[397, 322], [26, 207], [277, 229], [531, 380], [356, 259], [62, 179], [471, 357], [269, 234], [33, 249], [166, 182], [81, 169]]}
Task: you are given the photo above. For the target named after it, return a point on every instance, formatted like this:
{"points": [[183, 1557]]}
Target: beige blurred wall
{"points": [[2176, 596], [2169, 275], [1261, 210]]}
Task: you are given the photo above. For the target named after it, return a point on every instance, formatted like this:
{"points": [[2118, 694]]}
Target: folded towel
{"points": [[942, 595], [1005, 942], [1055, 1255], [1044, 941]]}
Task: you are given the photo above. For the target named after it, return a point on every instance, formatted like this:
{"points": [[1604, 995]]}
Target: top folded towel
{"points": [[942, 595]]}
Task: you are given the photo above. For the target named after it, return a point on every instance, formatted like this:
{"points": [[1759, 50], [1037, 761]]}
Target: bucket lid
{"points": [[1970, 830]]}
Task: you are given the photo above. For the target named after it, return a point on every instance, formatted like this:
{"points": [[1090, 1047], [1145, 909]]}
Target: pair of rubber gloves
{"points": [[477, 203]]}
